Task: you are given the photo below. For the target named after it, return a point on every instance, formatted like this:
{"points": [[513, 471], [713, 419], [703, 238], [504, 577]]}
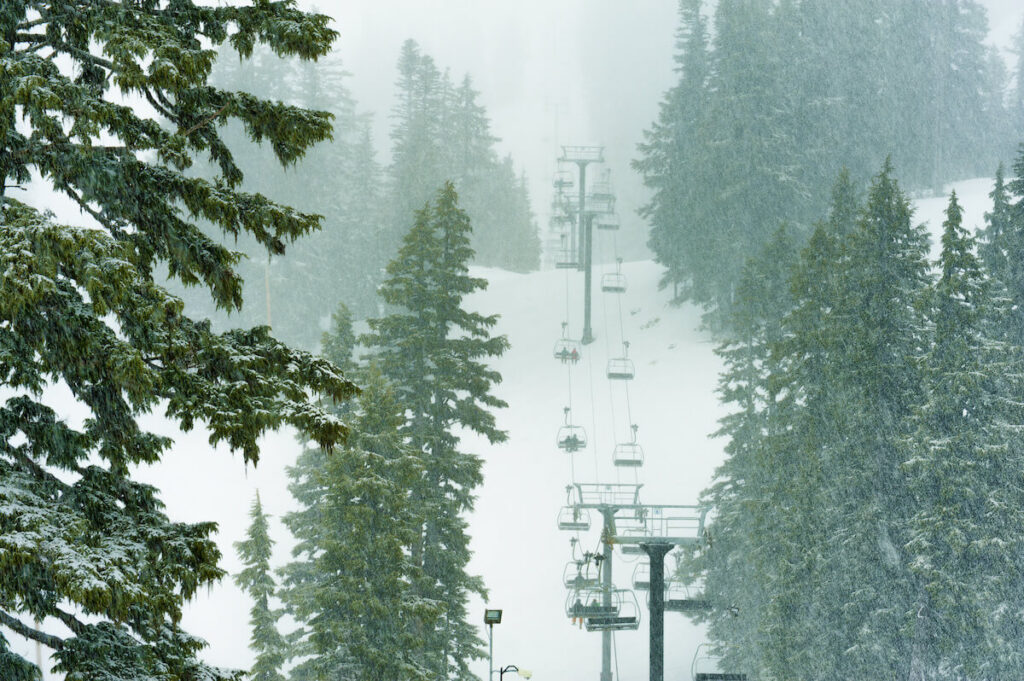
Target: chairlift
{"points": [[707, 667], [578, 576], [621, 368], [590, 602], [614, 282], [571, 438], [602, 189], [573, 518], [566, 349], [566, 257], [562, 180], [685, 598], [629, 454], [626, 617], [642, 576], [608, 222], [566, 261]]}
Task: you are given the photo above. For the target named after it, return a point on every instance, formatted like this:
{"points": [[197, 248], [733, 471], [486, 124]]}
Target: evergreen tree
{"points": [[351, 583], [748, 489], [798, 623], [761, 121], [81, 541], [671, 151], [964, 534], [878, 318], [266, 641], [1002, 246], [434, 353], [442, 131], [1017, 90], [338, 345], [826, 413], [998, 224], [339, 180]]}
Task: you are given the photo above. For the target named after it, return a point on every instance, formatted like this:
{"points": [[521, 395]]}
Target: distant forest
{"points": [[439, 132], [775, 97]]}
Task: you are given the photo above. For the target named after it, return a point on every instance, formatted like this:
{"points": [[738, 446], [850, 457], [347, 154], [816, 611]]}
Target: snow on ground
{"points": [[518, 548]]}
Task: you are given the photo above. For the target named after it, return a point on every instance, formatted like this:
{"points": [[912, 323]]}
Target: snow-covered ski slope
{"points": [[518, 549]]}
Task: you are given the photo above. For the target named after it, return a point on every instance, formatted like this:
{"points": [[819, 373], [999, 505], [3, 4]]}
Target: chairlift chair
{"points": [[628, 454], [571, 438], [589, 602], [685, 598], [566, 261], [613, 282], [573, 518], [562, 180], [565, 256], [566, 349], [626, 617], [621, 368], [577, 576], [706, 667], [602, 188], [608, 223], [642, 576]]}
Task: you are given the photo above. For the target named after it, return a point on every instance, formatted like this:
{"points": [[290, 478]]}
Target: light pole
{"points": [[512, 668], [491, 617]]}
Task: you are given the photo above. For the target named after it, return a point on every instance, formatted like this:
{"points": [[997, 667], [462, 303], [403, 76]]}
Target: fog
{"points": [[549, 73]]}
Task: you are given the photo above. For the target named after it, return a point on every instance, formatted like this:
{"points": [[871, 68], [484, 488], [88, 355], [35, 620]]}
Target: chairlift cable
{"points": [[611, 391], [593, 416], [622, 339]]}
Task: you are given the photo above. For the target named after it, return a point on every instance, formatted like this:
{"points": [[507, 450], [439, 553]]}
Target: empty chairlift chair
{"points": [[621, 368], [614, 282], [565, 257], [608, 222], [566, 349], [642, 576], [571, 438], [707, 667], [628, 454], [685, 598]]}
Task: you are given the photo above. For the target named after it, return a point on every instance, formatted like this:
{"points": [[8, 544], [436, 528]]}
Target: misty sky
{"points": [[550, 72]]}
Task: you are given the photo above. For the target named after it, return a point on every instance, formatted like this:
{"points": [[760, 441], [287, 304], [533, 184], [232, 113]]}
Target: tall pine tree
{"points": [[81, 541], [435, 354], [256, 579], [352, 583], [962, 459]]}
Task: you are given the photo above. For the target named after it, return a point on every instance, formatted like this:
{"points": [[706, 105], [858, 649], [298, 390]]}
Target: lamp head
{"points": [[492, 616]]}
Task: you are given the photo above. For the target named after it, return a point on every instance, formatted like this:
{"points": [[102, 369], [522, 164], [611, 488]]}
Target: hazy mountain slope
{"points": [[518, 548]]}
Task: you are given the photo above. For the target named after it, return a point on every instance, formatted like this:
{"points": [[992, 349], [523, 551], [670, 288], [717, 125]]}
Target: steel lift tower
{"points": [[583, 156], [652, 528]]}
